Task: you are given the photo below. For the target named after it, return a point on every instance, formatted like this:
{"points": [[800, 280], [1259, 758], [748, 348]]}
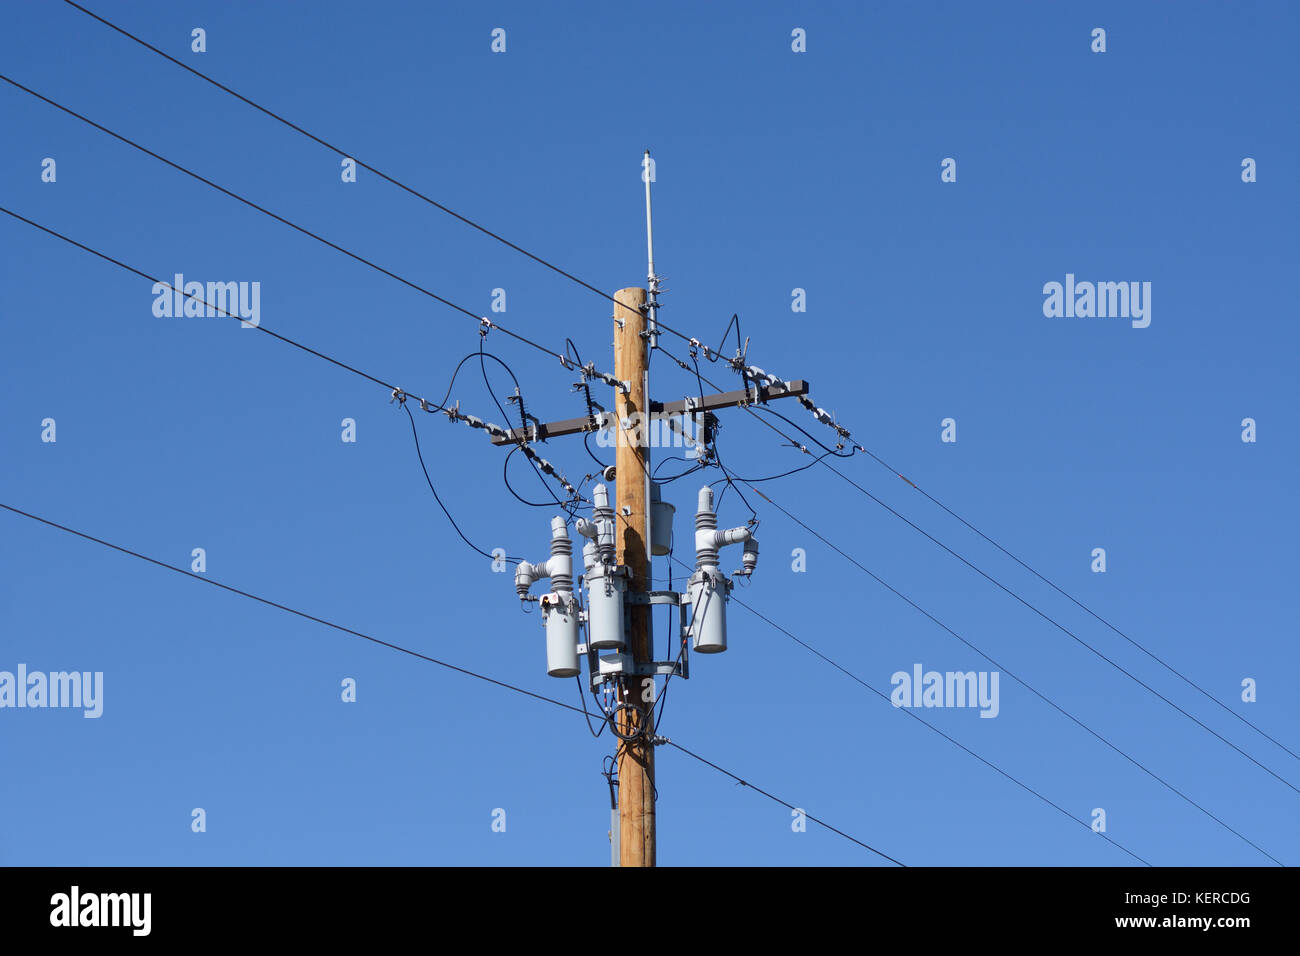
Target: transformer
{"points": [[560, 607], [709, 588]]}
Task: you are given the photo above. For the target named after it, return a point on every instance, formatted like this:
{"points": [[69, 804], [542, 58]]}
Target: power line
{"points": [[366, 166], [349, 368], [416, 435], [483, 322], [144, 275], [1167, 666], [693, 341], [530, 255], [911, 713], [1065, 630], [408, 651], [808, 647], [788, 806], [346, 155], [826, 464], [398, 392], [822, 416], [1043, 697]]}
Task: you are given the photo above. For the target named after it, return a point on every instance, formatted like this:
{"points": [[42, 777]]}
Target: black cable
{"points": [[683, 474], [330, 146], [1027, 604], [505, 476], [1061, 627], [784, 474], [845, 434], [475, 225], [416, 435], [287, 341], [735, 320], [144, 275], [366, 166], [278, 218], [583, 697], [717, 457], [788, 806], [1019, 680], [283, 607], [366, 637], [912, 713], [1169, 667], [832, 452], [585, 437], [523, 419]]}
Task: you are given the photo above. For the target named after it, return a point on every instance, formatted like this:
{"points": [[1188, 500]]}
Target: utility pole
{"points": [[620, 542], [636, 758]]}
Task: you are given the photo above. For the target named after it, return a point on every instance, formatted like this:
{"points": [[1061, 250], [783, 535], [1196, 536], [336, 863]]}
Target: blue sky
{"points": [[775, 170]]}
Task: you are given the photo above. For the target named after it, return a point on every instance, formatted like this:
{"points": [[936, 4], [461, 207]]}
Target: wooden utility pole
{"points": [[636, 758]]}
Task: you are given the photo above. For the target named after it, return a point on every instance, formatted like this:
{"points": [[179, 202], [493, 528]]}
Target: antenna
{"points": [[652, 280]]}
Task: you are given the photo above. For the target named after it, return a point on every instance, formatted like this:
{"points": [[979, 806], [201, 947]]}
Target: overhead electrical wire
{"points": [[398, 392], [408, 651], [1061, 627], [485, 324], [363, 165], [274, 334], [261, 328], [1019, 680], [341, 152], [846, 435], [1159, 660], [911, 713], [1009, 591], [416, 435], [592, 288], [788, 806], [659, 324], [287, 341]]}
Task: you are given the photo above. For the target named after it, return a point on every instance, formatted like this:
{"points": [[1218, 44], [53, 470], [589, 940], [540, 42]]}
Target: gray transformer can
{"points": [[661, 523], [560, 615], [708, 625], [605, 624]]}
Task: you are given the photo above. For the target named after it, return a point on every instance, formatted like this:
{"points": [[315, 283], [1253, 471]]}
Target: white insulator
{"points": [[603, 517], [561, 563], [708, 539]]}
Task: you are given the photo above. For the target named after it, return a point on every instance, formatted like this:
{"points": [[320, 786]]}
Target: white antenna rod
{"points": [[652, 280]]}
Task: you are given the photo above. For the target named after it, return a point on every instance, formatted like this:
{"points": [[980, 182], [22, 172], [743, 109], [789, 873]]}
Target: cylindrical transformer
{"points": [[708, 626], [560, 617], [661, 522], [605, 609]]}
